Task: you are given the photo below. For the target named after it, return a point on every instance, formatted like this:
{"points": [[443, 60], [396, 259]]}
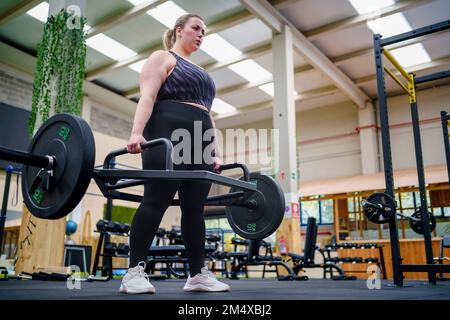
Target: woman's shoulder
{"points": [[162, 56]]}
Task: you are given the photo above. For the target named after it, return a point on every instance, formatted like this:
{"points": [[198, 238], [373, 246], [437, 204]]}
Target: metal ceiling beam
{"points": [[331, 89], [94, 74], [249, 85], [266, 48], [18, 10], [304, 96], [250, 54], [123, 17], [25, 63], [265, 12], [217, 26], [359, 82], [356, 20], [223, 24], [282, 4], [274, 20]]}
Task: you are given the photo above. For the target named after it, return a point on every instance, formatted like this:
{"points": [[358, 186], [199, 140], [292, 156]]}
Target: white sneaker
{"points": [[136, 281], [205, 281]]}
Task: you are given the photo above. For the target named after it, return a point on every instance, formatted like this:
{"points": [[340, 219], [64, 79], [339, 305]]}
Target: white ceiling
{"points": [[246, 33]]}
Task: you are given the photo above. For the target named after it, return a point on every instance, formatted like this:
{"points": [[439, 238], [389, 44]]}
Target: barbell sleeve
{"points": [[26, 158], [372, 205]]}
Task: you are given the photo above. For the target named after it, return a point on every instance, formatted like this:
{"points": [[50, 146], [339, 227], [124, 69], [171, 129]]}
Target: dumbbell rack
{"points": [[106, 268], [349, 254]]}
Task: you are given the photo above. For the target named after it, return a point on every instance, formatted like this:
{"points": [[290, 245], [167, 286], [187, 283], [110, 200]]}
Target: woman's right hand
{"points": [[134, 144]]}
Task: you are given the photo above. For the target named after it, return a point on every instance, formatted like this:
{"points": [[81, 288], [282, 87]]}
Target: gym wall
{"points": [[430, 103], [327, 141]]}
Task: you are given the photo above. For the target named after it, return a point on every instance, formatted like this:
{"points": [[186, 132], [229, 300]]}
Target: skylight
{"points": [[250, 70], [269, 89], [390, 25], [411, 55], [218, 48], [136, 2], [366, 6], [137, 66], [167, 13], [219, 106], [109, 47], [39, 12]]}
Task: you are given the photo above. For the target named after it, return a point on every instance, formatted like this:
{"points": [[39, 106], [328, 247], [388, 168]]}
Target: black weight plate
{"points": [[417, 226], [380, 216], [261, 222], [70, 140]]}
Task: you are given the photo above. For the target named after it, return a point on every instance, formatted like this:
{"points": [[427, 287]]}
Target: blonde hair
{"points": [[170, 35]]}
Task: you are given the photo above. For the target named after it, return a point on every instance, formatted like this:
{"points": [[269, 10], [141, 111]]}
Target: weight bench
{"points": [[253, 258], [307, 259], [168, 256]]}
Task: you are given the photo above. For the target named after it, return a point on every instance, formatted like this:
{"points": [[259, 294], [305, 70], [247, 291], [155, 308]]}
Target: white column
{"points": [[285, 148], [284, 110], [368, 140], [86, 109]]}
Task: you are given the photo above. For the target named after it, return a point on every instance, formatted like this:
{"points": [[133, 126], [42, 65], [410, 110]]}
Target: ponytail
{"points": [[169, 39]]}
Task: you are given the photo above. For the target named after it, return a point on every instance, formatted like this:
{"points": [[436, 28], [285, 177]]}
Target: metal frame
{"points": [[445, 118], [109, 180], [410, 89]]}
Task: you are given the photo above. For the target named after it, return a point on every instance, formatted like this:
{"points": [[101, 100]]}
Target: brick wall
{"points": [[110, 124], [18, 92], [14, 91]]}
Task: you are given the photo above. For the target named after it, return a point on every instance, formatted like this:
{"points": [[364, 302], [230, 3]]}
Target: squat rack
{"points": [[410, 89], [445, 120]]}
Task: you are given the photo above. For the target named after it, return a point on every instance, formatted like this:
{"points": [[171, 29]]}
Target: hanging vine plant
{"points": [[60, 68]]}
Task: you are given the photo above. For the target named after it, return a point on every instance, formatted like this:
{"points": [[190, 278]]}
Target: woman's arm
{"points": [[153, 74]]}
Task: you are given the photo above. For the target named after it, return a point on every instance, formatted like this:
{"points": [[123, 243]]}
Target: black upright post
{"points": [[444, 120], [107, 259], [387, 159], [422, 190], [9, 171]]}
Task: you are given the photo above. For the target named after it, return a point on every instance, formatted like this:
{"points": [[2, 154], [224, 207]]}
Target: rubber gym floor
{"points": [[244, 289]]}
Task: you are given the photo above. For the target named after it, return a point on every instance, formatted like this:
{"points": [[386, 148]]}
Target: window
{"points": [[309, 209], [322, 210], [327, 214]]}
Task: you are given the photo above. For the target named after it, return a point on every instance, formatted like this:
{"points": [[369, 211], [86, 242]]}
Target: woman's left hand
{"points": [[217, 163]]}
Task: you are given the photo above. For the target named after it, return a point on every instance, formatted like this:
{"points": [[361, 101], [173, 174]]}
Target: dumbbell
{"points": [[123, 227], [102, 225], [113, 226], [123, 248], [212, 238], [371, 260], [110, 248], [161, 232]]}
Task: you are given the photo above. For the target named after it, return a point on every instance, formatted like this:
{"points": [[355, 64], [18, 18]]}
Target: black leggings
{"points": [[158, 194]]}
